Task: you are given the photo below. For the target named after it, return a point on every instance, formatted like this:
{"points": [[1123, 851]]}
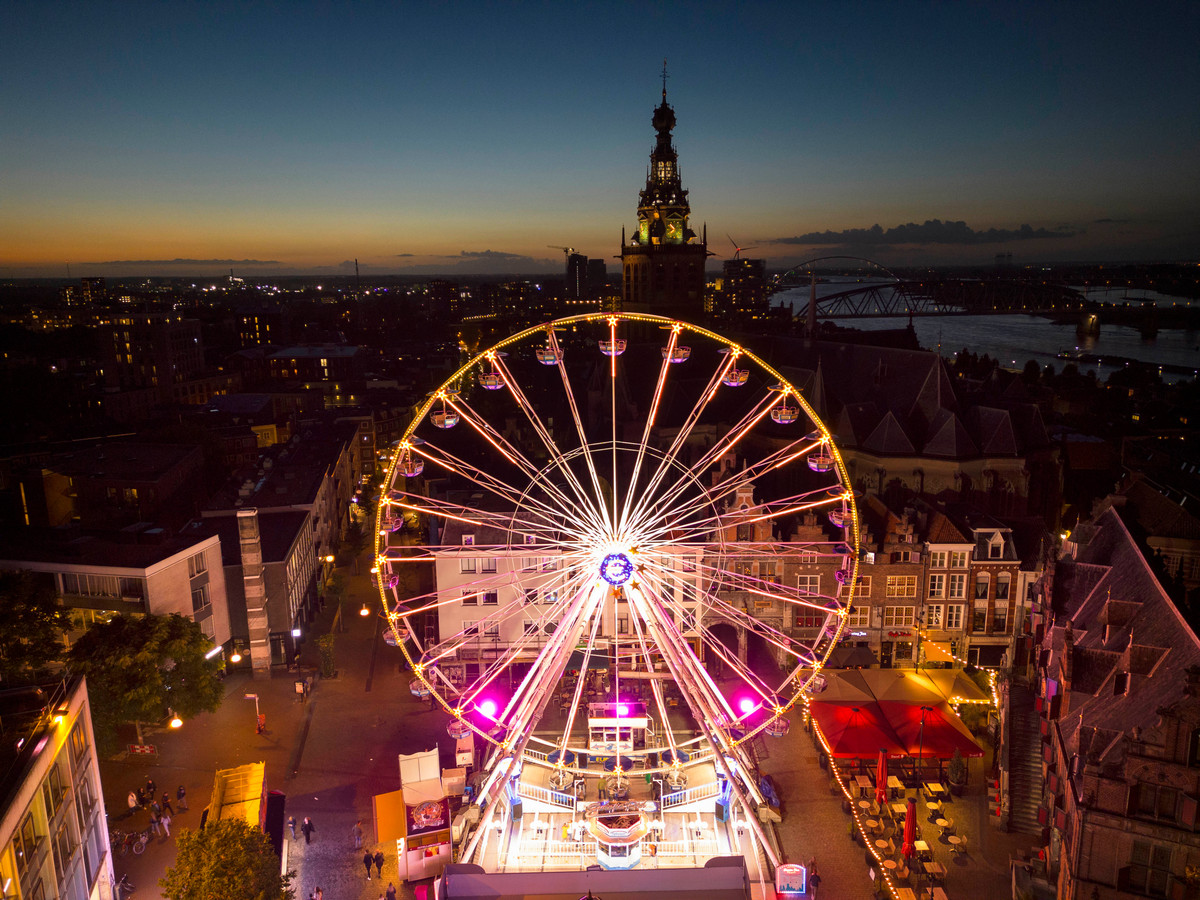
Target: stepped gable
{"points": [[889, 437], [948, 437], [1152, 638], [993, 431]]}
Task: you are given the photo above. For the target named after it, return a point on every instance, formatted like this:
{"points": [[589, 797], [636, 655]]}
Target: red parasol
{"points": [[909, 848], [881, 777]]}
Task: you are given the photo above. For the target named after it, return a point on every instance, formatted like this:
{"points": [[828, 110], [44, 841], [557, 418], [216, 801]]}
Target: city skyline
{"points": [[476, 139]]}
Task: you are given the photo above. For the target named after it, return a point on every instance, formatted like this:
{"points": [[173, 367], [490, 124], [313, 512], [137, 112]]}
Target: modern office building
{"points": [[53, 830]]}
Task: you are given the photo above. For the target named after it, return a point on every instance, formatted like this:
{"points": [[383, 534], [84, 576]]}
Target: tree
{"points": [[31, 626], [138, 667], [227, 858]]}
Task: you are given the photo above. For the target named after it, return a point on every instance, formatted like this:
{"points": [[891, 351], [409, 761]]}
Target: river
{"points": [[1016, 338]]}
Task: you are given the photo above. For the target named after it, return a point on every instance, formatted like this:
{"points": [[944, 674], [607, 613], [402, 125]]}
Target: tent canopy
{"points": [[858, 730]]}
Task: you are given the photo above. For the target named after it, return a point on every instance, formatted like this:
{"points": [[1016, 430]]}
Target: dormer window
{"points": [[996, 547], [468, 540]]}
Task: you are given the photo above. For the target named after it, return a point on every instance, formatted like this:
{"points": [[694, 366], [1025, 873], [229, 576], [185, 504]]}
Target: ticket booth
{"points": [[418, 822], [617, 728]]}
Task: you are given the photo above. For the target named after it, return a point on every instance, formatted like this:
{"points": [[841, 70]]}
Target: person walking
{"points": [[291, 823], [357, 832], [320, 893], [367, 860], [814, 878], [154, 823], [391, 892], [134, 806], [308, 828], [155, 808], [151, 788], [141, 798], [379, 862], [166, 804], [181, 798], [165, 821]]}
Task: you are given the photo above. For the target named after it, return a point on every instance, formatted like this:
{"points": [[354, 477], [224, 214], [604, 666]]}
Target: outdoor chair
{"points": [[961, 846]]}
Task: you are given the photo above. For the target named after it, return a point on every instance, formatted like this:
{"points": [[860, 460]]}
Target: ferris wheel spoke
{"points": [[668, 460], [584, 443], [507, 492], [546, 438], [651, 418], [645, 507]]}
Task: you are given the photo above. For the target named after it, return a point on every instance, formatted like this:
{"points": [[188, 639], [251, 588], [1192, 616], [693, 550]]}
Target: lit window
{"points": [[899, 616]]}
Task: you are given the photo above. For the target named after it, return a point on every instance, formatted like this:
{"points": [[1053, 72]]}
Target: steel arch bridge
{"points": [[887, 294]]}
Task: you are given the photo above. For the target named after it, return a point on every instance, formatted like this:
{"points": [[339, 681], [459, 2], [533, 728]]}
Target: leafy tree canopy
{"points": [[137, 667], [228, 858], [31, 626]]}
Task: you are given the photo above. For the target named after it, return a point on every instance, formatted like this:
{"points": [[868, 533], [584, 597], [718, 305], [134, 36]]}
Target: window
{"points": [[492, 630], [531, 628], [996, 547], [200, 598], [808, 584], [488, 564], [549, 563], [859, 617], [902, 650], [899, 616], [979, 619], [470, 598], [954, 617], [937, 585], [1155, 801], [809, 556], [958, 559], [862, 588], [769, 570], [1149, 869], [902, 585], [934, 615], [550, 597], [1000, 618], [982, 584], [490, 598], [468, 540], [197, 564], [531, 596], [622, 624], [937, 559], [809, 619], [1002, 583], [467, 564], [956, 586]]}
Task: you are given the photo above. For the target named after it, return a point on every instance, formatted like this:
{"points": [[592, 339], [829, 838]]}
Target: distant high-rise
{"points": [[744, 288], [577, 265], [151, 350], [662, 266], [93, 290]]}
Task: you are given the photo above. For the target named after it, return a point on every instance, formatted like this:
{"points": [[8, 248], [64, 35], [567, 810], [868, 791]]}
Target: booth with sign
{"points": [[417, 817]]}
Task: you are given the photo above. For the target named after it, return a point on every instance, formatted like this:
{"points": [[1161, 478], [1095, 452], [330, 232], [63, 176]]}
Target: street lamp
{"points": [[365, 611]]}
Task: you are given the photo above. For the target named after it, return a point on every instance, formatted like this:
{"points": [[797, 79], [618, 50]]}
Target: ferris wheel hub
{"points": [[616, 568]]}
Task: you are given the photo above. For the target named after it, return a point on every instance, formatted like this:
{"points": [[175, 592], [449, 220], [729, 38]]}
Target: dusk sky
{"points": [[171, 138]]}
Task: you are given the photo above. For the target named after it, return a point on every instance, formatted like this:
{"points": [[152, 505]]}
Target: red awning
{"points": [[942, 734], [855, 729]]}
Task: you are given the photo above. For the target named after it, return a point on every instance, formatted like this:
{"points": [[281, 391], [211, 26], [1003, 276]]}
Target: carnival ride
{"points": [[612, 488]]}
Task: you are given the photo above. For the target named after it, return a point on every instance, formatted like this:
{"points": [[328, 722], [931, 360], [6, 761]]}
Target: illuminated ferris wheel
{"points": [[608, 500]]}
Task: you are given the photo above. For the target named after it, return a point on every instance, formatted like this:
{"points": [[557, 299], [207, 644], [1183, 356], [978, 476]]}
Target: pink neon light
{"points": [[622, 709], [488, 708]]}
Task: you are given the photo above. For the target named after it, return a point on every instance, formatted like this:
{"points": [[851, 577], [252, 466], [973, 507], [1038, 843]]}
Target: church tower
{"points": [[662, 266]]}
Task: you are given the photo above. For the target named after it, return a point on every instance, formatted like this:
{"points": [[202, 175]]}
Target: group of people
{"points": [[161, 810]]}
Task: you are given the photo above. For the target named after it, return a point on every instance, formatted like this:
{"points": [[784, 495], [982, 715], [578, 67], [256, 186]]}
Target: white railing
{"points": [[573, 849], [537, 754], [700, 849], [690, 795], [545, 795]]}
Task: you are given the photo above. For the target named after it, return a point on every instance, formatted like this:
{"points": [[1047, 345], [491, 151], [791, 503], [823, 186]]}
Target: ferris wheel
{"points": [[610, 502]]}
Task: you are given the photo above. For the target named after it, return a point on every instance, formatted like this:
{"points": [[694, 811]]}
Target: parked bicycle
{"points": [[124, 841], [124, 888]]}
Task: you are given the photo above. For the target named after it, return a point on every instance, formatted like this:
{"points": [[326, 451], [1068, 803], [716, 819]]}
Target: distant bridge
{"points": [[938, 297], [880, 292]]}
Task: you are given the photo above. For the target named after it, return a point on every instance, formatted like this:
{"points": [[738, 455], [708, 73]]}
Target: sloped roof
{"points": [[889, 437], [1159, 515], [944, 531], [993, 431], [948, 437], [1153, 637]]}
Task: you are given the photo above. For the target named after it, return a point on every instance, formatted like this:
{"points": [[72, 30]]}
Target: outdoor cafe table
{"points": [[935, 789], [872, 824], [898, 809], [895, 785], [921, 848], [889, 864], [954, 840], [935, 869], [906, 894], [864, 804], [883, 845], [864, 784]]}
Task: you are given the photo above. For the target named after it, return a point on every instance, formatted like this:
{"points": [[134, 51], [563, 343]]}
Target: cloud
{"points": [[933, 231], [186, 262], [405, 255], [494, 255], [1112, 221]]}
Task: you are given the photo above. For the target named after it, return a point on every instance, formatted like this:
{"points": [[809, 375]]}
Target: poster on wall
{"points": [[428, 815]]}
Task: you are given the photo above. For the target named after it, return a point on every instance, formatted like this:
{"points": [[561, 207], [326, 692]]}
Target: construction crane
{"points": [[567, 251]]}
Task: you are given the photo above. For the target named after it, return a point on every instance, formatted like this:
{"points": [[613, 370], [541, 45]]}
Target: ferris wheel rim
{"points": [[450, 388]]}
